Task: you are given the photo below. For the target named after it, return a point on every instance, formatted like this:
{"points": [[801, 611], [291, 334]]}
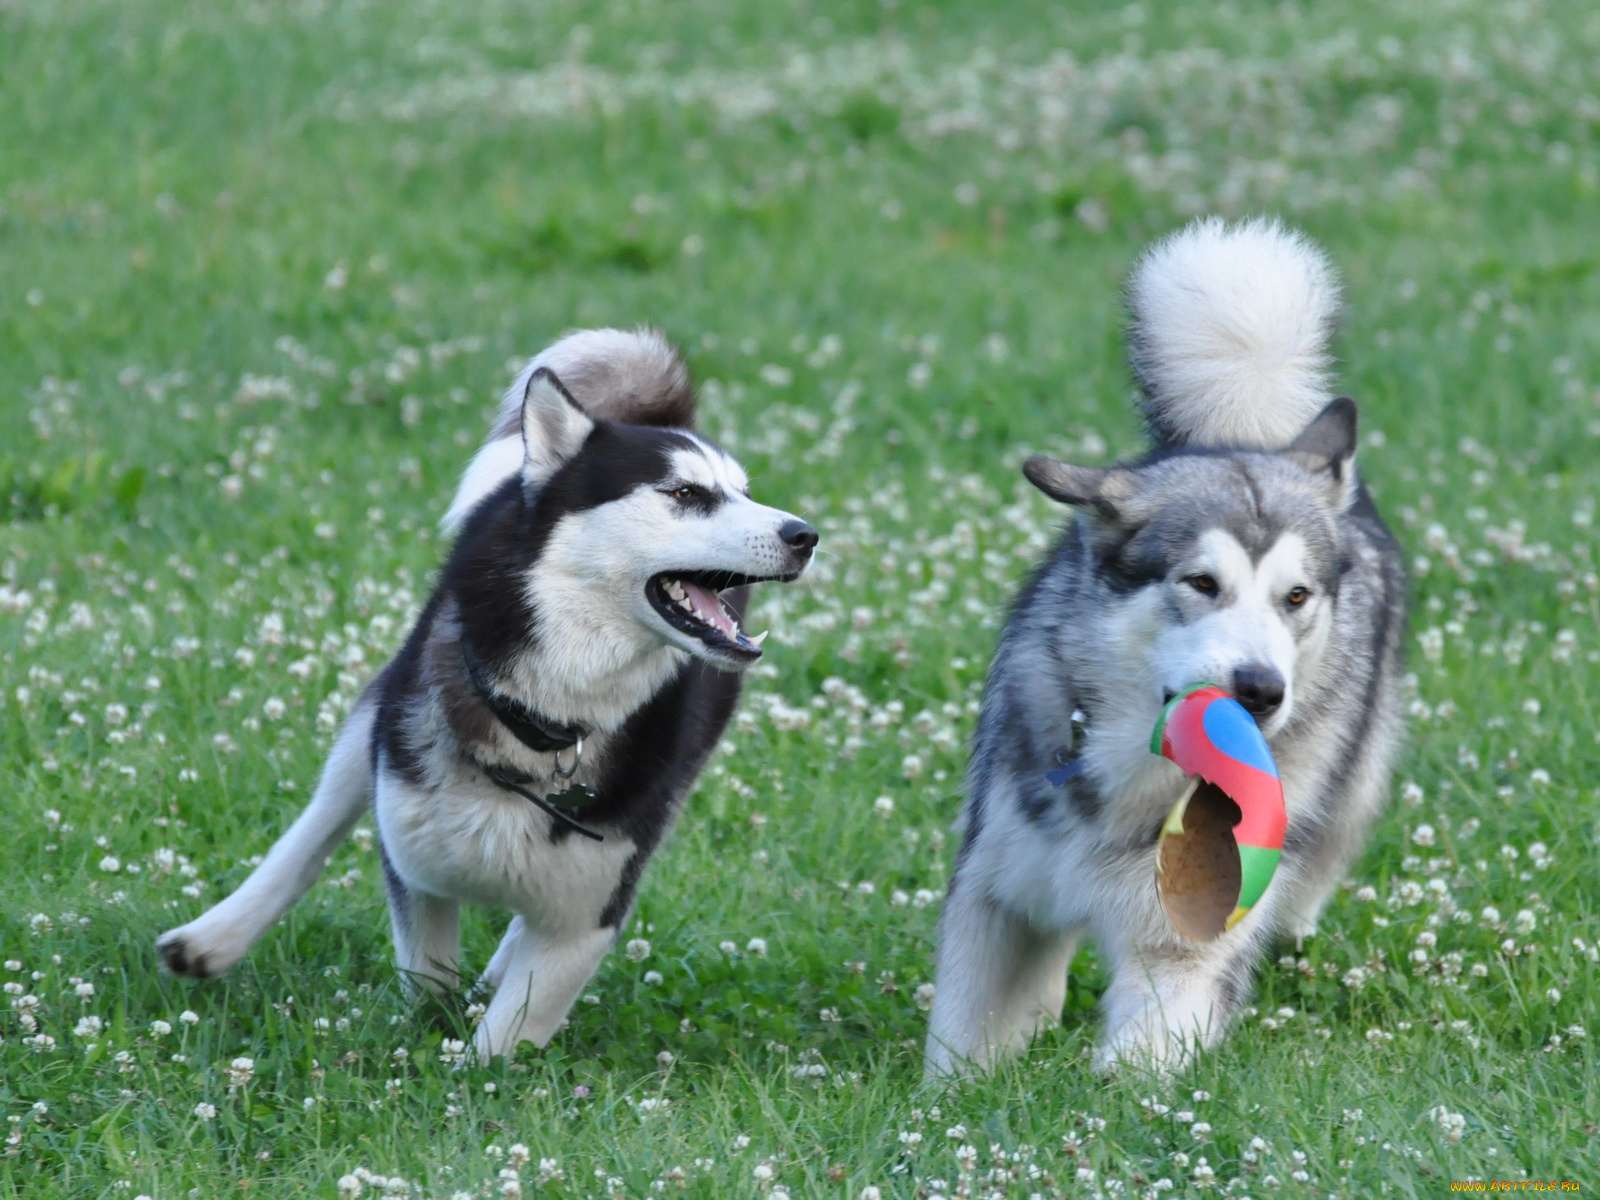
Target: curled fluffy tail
{"points": [[630, 375], [1230, 334]]}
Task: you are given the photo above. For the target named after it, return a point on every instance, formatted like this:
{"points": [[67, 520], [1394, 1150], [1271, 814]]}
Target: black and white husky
{"points": [[1243, 551], [533, 740]]}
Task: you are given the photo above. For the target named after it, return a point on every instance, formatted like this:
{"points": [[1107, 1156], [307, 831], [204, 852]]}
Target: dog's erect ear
{"points": [[1106, 490], [1327, 447], [553, 426]]}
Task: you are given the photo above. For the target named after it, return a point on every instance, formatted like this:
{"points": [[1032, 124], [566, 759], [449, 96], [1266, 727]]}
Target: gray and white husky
{"points": [[1243, 551], [534, 739]]}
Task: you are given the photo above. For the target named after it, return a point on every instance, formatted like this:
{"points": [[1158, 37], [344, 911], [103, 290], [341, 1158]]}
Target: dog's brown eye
{"points": [[1298, 596], [1206, 585]]}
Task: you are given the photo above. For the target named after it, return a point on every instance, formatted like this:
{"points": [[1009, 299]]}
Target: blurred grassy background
{"points": [[263, 269]]}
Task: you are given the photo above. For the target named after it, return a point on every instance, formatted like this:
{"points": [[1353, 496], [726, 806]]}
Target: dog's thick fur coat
{"points": [[1243, 551]]}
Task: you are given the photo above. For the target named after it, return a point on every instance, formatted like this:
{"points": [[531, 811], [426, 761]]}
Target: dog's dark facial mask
{"points": [[1236, 554]]}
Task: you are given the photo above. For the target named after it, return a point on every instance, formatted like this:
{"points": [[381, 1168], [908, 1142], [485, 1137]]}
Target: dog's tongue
{"points": [[709, 609]]}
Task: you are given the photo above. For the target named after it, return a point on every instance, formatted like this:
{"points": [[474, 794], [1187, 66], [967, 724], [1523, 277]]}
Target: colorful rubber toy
{"points": [[1221, 843]]}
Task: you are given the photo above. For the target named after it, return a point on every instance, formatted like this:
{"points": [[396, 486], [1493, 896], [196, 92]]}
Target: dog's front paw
{"points": [[1300, 930], [488, 1046], [1148, 1046]]}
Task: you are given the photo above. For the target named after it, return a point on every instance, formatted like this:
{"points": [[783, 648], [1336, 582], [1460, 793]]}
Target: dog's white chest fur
{"points": [[480, 844]]}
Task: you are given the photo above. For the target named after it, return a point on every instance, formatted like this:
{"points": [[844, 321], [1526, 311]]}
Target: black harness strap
{"points": [[537, 733], [512, 784]]}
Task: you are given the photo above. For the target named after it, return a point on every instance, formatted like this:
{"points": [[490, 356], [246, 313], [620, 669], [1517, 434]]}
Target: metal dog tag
{"points": [[1068, 761], [578, 795]]}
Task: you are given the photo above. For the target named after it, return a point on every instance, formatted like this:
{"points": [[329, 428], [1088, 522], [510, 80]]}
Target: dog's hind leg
{"points": [[213, 942], [541, 977], [427, 934], [999, 981]]}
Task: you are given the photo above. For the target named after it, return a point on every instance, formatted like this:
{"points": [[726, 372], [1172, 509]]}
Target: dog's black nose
{"points": [[1259, 688], [797, 535]]}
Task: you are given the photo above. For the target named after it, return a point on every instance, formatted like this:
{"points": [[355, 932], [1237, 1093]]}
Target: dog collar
{"points": [[1069, 761], [537, 733]]}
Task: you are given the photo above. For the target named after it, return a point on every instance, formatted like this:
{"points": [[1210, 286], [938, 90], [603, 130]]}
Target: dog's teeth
{"points": [[675, 589], [757, 639], [685, 603]]}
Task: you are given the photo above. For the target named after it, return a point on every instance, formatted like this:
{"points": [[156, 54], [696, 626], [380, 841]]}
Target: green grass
{"points": [[262, 269]]}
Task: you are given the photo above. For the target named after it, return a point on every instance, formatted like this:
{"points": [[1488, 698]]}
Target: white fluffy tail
{"points": [[629, 375], [1230, 333]]}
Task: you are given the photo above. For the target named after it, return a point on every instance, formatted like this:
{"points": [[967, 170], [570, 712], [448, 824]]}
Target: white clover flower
{"points": [[1451, 1124], [452, 1051], [757, 946], [273, 709], [111, 864], [206, 1111], [924, 996], [884, 806], [637, 950]]}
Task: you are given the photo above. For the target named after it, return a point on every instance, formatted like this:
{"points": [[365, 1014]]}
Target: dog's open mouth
{"points": [[691, 602]]}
